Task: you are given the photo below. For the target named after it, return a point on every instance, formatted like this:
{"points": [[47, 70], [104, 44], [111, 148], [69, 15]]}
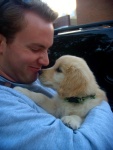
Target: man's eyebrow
{"points": [[37, 45]]}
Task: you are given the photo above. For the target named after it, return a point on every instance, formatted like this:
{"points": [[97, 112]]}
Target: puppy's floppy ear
{"points": [[74, 83]]}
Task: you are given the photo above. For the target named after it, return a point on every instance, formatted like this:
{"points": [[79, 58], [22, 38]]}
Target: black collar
{"points": [[79, 99]]}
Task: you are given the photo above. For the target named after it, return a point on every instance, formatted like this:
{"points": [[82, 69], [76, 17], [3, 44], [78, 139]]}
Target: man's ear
{"points": [[2, 43]]}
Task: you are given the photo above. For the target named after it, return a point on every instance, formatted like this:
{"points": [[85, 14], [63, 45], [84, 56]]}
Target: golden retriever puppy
{"points": [[78, 91]]}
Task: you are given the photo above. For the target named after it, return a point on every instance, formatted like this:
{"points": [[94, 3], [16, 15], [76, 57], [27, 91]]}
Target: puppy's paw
{"points": [[72, 121]]}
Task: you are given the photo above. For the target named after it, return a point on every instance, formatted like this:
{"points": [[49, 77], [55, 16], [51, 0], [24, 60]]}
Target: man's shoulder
{"points": [[12, 99]]}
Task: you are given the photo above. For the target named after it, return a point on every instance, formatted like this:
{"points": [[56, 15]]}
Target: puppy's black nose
{"points": [[40, 72]]}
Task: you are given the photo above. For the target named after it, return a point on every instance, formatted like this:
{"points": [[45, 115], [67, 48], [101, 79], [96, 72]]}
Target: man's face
{"points": [[24, 57]]}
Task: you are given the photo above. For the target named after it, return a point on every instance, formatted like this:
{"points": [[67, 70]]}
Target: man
{"points": [[26, 33]]}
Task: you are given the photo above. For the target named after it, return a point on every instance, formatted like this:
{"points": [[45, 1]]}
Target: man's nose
{"points": [[44, 60]]}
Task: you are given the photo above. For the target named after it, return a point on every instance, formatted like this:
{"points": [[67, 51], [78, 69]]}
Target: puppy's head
{"points": [[70, 76]]}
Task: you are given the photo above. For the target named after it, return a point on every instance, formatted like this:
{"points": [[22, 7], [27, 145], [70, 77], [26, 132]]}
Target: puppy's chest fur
{"points": [[72, 114], [65, 108]]}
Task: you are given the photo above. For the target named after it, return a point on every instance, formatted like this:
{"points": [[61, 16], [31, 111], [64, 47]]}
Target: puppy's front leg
{"points": [[43, 101], [72, 121]]}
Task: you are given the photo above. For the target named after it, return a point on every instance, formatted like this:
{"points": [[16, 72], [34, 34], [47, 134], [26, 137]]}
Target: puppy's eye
{"points": [[59, 70]]}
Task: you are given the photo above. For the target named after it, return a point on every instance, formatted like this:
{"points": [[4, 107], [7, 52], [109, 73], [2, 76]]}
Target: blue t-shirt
{"points": [[26, 126]]}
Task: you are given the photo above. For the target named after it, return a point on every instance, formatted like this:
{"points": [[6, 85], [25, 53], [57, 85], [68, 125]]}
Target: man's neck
{"points": [[6, 76]]}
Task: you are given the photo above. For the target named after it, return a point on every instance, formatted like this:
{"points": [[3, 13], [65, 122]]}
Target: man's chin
{"points": [[29, 80]]}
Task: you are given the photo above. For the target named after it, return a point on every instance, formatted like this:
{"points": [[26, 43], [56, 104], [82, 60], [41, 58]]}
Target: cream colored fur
{"points": [[70, 77]]}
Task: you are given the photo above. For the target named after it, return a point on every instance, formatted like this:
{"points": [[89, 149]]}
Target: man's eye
{"points": [[59, 70], [34, 50]]}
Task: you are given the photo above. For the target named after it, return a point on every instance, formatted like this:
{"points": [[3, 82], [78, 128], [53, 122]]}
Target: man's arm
{"points": [[23, 125]]}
